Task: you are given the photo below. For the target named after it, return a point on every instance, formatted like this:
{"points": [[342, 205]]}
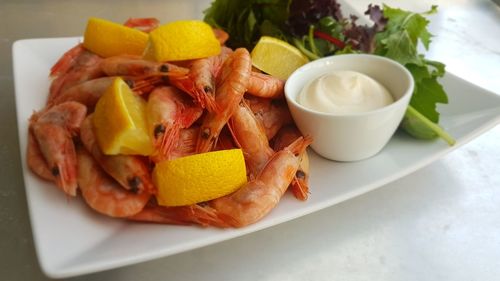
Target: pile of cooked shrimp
{"points": [[195, 106]]}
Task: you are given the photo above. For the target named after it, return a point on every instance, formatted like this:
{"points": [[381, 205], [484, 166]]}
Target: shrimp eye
{"points": [[205, 133], [134, 184], [165, 79], [77, 141], [129, 83], [208, 89], [55, 171], [276, 102], [159, 129], [163, 68], [300, 174]]}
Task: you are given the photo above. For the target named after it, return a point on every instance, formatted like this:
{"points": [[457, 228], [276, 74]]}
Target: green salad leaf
{"points": [[246, 21], [399, 41]]}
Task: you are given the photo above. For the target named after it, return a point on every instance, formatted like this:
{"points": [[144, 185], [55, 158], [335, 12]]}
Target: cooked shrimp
{"points": [[36, 161], [75, 66], [127, 65], [251, 138], [53, 130], [266, 86], [168, 112], [129, 170], [143, 24], [273, 113], [258, 197], [233, 81], [182, 215], [300, 183], [89, 92], [102, 193]]}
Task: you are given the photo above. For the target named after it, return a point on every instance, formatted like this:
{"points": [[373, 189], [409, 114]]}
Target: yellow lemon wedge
{"points": [[107, 38], [182, 40], [276, 57], [120, 121], [200, 177]]}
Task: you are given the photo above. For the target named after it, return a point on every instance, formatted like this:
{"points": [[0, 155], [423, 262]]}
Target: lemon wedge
{"points": [[200, 177], [276, 57], [108, 39], [120, 121], [182, 40]]}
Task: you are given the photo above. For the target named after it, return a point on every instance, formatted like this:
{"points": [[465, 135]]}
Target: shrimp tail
{"points": [[299, 185], [221, 35], [206, 216], [299, 146], [143, 24], [299, 188], [67, 60]]}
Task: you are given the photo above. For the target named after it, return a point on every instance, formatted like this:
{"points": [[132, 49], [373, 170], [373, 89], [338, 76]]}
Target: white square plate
{"points": [[71, 239]]}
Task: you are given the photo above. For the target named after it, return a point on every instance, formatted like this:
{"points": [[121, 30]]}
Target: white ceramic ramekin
{"points": [[356, 136]]}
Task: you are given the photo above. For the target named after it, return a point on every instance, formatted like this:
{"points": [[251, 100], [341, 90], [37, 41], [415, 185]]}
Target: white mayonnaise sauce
{"points": [[344, 92]]}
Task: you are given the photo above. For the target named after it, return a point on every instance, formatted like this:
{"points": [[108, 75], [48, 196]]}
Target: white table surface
{"points": [[439, 223]]}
